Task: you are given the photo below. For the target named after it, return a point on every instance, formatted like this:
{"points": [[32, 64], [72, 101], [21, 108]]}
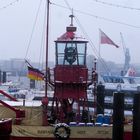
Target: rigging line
{"points": [[33, 29], [43, 39], [10, 4], [116, 5], [91, 43], [77, 21], [84, 32], [98, 17], [93, 47], [40, 65], [82, 29], [67, 4]]}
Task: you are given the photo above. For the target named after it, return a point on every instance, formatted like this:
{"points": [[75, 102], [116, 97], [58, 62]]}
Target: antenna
{"points": [[71, 28], [71, 16]]}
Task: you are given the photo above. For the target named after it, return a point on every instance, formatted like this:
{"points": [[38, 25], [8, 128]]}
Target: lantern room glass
{"points": [[71, 53]]}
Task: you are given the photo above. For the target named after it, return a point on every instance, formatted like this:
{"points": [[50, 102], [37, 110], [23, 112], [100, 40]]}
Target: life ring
{"points": [[62, 131]]}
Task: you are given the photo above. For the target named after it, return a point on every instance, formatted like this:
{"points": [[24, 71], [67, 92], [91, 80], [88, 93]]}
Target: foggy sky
{"points": [[17, 20]]}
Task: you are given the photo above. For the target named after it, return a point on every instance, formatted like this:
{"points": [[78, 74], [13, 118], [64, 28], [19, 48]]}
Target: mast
{"points": [[47, 45], [45, 99]]}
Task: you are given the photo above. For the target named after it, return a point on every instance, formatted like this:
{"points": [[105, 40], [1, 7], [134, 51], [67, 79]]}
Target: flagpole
{"points": [[99, 59], [47, 42], [45, 99], [95, 78], [28, 63]]}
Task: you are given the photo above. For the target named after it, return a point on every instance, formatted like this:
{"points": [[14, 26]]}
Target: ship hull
{"points": [[31, 128], [77, 133], [127, 136]]}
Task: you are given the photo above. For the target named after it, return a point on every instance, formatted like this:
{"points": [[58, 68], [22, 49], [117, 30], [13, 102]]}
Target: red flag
{"points": [[106, 40]]}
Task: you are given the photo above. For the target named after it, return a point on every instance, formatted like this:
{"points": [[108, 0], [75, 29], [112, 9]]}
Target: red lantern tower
{"points": [[70, 73]]}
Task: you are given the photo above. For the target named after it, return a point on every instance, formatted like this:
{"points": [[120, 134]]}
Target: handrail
{"points": [[7, 95]]}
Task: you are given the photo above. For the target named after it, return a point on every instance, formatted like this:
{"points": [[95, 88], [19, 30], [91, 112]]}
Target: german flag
{"points": [[35, 74]]}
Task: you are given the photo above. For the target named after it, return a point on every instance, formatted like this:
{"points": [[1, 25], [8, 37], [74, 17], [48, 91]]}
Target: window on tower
{"points": [[70, 53]]}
